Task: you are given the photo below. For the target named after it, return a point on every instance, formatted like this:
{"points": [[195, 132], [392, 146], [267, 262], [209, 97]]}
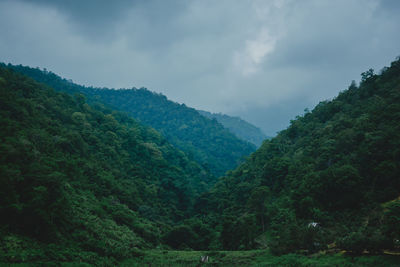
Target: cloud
{"points": [[263, 60], [248, 60]]}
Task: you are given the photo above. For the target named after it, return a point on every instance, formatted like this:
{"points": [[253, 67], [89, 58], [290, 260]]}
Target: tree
{"points": [[258, 203]]}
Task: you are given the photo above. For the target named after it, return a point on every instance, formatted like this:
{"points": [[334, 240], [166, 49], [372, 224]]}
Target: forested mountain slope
{"points": [[332, 177], [204, 140], [80, 181], [239, 127]]}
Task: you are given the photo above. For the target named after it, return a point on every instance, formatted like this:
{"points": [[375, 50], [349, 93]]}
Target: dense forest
{"points": [[85, 180], [239, 127], [330, 180], [203, 140], [81, 182]]}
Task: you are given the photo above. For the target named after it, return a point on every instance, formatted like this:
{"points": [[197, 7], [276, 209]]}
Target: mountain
{"points": [[330, 180], [82, 183], [203, 140], [79, 182], [239, 127]]}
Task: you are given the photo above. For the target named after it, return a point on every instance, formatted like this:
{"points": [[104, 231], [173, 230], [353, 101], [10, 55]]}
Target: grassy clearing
{"points": [[156, 258], [255, 258]]}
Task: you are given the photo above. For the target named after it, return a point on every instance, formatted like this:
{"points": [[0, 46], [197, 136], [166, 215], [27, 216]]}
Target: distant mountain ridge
{"points": [[203, 140], [239, 127]]}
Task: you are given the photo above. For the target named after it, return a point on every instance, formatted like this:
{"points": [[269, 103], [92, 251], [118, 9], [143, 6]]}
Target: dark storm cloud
{"points": [[88, 11], [265, 61], [99, 19]]}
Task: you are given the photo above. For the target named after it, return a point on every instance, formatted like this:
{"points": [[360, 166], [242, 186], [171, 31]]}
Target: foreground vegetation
{"points": [[162, 258], [256, 258]]}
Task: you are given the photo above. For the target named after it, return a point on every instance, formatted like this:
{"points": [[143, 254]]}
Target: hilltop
{"points": [[204, 140]]}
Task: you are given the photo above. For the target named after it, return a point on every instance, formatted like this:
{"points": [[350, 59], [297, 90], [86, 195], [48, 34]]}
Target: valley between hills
{"points": [[127, 177]]}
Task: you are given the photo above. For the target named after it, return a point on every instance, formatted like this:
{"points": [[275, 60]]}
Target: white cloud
{"points": [[248, 60]]}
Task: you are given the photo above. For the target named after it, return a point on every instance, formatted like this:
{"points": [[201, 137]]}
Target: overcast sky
{"points": [[265, 61]]}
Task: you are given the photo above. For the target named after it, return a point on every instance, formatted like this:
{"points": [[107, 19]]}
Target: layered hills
{"points": [[80, 181], [204, 140], [239, 127]]}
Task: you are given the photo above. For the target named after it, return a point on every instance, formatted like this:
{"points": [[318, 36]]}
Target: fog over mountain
{"points": [[264, 61]]}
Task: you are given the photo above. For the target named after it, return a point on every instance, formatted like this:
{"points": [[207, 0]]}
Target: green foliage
{"points": [[180, 237], [332, 168], [86, 183], [85, 178], [254, 258], [391, 221], [204, 140], [238, 233]]}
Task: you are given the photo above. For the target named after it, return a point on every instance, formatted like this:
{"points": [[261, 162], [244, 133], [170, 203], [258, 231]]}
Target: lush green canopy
{"points": [[80, 181], [85, 177], [204, 140], [334, 166]]}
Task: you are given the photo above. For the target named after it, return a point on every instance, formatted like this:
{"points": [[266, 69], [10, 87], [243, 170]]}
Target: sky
{"points": [[265, 61]]}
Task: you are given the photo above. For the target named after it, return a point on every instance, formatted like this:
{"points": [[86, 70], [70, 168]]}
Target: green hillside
{"points": [[239, 127], [81, 182], [203, 140], [330, 180]]}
